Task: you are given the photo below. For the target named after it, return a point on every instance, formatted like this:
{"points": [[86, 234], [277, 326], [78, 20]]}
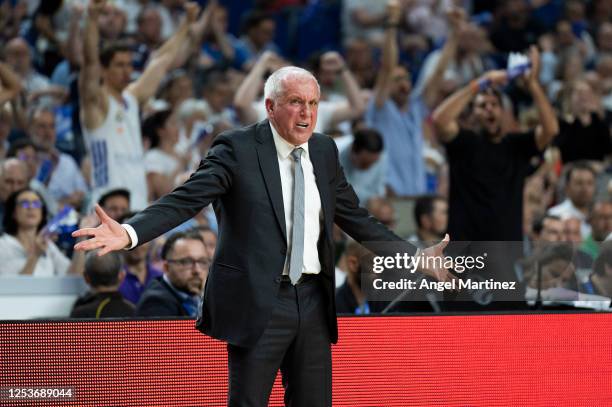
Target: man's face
{"points": [[187, 265], [552, 230], [42, 130], [112, 22], [150, 26], [13, 178], [571, 231], [116, 206], [263, 33], [364, 159], [601, 221], [210, 241], [580, 188], [294, 113], [439, 217], [18, 55], [118, 74], [401, 86], [219, 96], [488, 113]]}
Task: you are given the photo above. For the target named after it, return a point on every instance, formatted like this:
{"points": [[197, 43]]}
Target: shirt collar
{"points": [[283, 147]]}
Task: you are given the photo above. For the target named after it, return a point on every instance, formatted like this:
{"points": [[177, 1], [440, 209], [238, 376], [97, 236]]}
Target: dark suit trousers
{"points": [[297, 341]]}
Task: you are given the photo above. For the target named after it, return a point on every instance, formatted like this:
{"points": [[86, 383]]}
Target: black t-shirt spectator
{"points": [[579, 142], [486, 185], [102, 305]]}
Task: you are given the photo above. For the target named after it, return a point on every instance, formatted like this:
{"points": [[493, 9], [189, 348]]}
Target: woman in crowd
{"points": [[25, 247], [162, 162]]}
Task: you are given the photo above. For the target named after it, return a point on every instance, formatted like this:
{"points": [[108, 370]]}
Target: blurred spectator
{"points": [[383, 211], [571, 231], [25, 150], [360, 61], [116, 203], [13, 177], [468, 62], [336, 106], [148, 36], [248, 96], [398, 114], [364, 165], [19, 58], [25, 247], [178, 292], [516, 30], [221, 49], [489, 165], [139, 272], [258, 30], [110, 105], [171, 13], [162, 162], [58, 171], [175, 89], [112, 21], [547, 228], [552, 269], [209, 237], [602, 271], [600, 220], [350, 298], [579, 192], [217, 94], [6, 118], [10, 86], [104, 275], [364, 19], [583, 134], [431, 217]]}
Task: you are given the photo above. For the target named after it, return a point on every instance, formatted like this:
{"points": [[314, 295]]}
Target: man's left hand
{"points": [[437, 271]]}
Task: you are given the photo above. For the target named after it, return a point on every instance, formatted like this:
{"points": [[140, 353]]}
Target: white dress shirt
{"points": [[312, 204]]}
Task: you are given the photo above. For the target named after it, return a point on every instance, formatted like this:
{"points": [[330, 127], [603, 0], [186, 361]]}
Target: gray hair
{"points": [[274, 84]]}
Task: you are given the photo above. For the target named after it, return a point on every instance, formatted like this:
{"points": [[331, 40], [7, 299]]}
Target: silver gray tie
{"points": [[296, 260]]}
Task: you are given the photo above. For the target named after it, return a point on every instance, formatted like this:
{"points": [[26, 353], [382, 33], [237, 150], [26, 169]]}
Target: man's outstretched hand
{"points": [[107, 237], [436, 251]]}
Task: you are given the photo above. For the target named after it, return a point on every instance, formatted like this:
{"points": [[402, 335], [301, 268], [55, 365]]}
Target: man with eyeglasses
{"points": [[177, 292]]}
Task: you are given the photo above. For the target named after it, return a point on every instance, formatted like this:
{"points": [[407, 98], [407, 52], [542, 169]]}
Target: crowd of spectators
{"points": [[115, 103]]}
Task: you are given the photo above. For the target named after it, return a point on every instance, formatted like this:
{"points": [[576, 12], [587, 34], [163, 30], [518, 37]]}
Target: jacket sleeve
{"points": [[212, 179]]}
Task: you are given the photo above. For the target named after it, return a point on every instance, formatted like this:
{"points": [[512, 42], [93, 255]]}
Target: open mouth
{"points": [[302, 125]]}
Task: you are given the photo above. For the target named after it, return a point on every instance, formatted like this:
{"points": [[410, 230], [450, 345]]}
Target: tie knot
{"points": [[297, 153]]}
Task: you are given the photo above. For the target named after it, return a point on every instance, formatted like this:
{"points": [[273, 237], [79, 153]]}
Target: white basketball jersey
{"points": [[116, 152]]}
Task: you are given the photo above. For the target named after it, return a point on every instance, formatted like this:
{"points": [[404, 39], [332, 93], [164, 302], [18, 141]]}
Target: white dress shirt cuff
{"points": [[132, 233]]}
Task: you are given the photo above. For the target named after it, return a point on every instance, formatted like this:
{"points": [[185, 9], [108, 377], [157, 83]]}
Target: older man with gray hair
{"points": [[57, 170], [278, 188]]}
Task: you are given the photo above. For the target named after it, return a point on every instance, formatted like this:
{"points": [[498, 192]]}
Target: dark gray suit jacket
{"points": [[241, 177]]}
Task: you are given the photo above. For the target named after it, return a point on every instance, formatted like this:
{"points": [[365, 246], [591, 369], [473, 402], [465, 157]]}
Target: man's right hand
{"points": [[107, 237]]}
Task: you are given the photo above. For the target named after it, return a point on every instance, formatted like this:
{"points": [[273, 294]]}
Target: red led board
{"points": [[476, 360]]}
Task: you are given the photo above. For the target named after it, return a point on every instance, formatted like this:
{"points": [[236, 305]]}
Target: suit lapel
{"points": [[268, 162]]}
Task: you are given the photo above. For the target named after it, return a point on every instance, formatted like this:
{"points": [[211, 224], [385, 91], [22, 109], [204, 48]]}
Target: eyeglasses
{"points": [[188, 262], [25, 204]]}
